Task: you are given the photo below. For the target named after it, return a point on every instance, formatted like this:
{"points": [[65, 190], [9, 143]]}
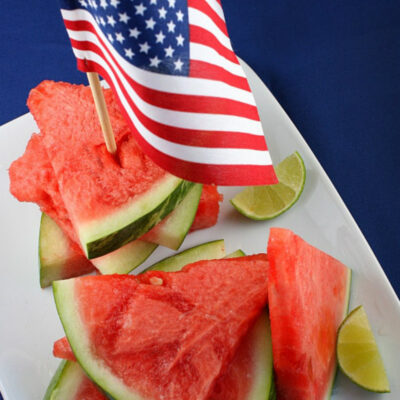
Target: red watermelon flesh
{"points": [[208, 209], [88, 390], [32, 179], [132, 324], [62, 349], [308, 298], [91, 182]]}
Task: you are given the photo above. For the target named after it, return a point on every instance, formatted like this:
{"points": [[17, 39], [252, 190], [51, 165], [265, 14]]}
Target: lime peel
{"points": [[358, 354], [267, 202]]}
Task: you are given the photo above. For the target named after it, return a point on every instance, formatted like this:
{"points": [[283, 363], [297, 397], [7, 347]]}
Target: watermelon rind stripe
{"points": [[125, 259], [346, 305], [96, 369], [237, 253], [65, 383], [102, 236], [172, 233], [206, 251], [263, 381]]}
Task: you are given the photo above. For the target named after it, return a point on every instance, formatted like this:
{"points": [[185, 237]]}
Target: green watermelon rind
{"points": [[263, 388], [235, 254], [52, 261], [101, 236], [206, 251], [96, 370], [126, 258], [346, 306], [53, 249], [65, 381], [172, 233]]}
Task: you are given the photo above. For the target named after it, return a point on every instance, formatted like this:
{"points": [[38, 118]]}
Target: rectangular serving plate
{"points": [[28, 320]]}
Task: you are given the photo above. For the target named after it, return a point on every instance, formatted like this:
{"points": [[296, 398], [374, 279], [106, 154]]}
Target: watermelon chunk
{"points": [[308, 295], [208, 210], [109, 204], [123, 329]]}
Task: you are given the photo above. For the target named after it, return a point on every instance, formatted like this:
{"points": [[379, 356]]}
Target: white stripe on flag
{"points": [[207, 54], [217, 8], [198, 18], [161, 82], [202, 155]]}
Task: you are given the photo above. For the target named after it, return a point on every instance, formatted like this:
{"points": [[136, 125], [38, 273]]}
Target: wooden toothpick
{"points": [[102, 112]]}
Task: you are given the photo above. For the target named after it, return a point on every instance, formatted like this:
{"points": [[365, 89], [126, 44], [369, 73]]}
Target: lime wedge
{"points": [[358, 354], [266, 202]]}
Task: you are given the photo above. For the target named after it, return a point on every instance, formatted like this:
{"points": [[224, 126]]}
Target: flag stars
{"points": [[110, 37], [169, 51], [83, 3], [180, 39], [154, 61], [111, 20], [171, 3], [150, 23], [179, 15], [119, 37], [129, 53], [124, 17], [103, 4], [140, 9], [178, 65], [144, 47], [153, 2], [171, 26], [134, 32], [162, 12], [93, 4], [114, 3], [102, 22], [160, 37]]}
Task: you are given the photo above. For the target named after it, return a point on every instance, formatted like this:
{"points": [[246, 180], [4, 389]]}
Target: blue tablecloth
{"points": [[333, 65]]}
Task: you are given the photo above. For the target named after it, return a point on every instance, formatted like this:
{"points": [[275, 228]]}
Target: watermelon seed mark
{"points": [[154, 280]]}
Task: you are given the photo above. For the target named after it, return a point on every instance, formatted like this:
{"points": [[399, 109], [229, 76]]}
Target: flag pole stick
{"points": [[102, 112]]}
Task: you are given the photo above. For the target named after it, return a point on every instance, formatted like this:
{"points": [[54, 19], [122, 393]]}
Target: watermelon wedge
{"points": [[109, 204], [71, 383], [249, 376], [308, 296], [123, 329]]}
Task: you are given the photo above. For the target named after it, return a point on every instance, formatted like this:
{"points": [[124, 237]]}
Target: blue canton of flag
{"points": [[152, 35]]}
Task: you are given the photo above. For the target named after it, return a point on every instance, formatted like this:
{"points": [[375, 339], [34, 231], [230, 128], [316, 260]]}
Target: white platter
{"points": [[28, 319]]}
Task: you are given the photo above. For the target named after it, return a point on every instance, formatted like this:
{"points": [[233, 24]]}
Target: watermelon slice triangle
{"points": [[108, 203], [162, 335], [308, 295]]}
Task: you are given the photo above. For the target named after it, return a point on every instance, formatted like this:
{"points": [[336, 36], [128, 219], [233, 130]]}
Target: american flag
{"points": [[171, 65]]}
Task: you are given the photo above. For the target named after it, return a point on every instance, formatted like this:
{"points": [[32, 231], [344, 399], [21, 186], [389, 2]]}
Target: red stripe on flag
{"points": [[202, 36], [199, 138], [201, 69], [202, 6]]}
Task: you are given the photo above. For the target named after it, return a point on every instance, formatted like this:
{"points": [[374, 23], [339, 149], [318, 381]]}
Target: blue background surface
{"points": [[334, 66]]}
